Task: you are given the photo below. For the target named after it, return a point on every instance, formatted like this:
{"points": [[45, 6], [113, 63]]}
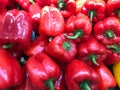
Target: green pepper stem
{"points": [[77, 34], [50, 84], [93, 57], [6, 46], [114, 47], [85, 85], [61, 4], [67, 45], [92, 13], [31, 1], [109, 34]]}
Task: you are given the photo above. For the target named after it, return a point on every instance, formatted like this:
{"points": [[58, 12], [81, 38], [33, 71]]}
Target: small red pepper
{"points": [[11, 73], [95, 9], [106, 76], [113, 8], [37, 46], [3, 4], [80, 76], [62, 49], [92, 51], [16, 29], [51, 21], [42, 71], [80, 26], [107, 31]]}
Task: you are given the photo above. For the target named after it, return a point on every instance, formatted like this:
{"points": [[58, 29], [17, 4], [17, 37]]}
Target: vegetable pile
{"points": [[59, 44]]}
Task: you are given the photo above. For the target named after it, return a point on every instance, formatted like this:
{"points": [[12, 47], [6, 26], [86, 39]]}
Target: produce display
{"points": [[59, 44]]}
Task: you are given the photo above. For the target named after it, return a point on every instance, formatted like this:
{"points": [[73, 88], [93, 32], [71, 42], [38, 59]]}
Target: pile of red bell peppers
{"points": [[59, 44]]}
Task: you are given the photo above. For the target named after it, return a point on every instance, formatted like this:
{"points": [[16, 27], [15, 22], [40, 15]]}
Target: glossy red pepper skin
{"points": [[113, 8], [37, 46], [95, 10], [34, 12], [51, 21], [61, 48], [80, 27], [16, 29], [41, 69], [107, 78], [77, 72], [3, 4], [43, 3], [92, 51], [11, 73], [107, 31]]}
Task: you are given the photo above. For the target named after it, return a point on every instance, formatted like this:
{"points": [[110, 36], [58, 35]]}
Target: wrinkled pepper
{"points": [[107, 78], [79, 26], [80, 76], [92, 51], [107, 31], [113, 8], [51, 21], [15, 29], [116, 72], [11, 73], [42, 71], [94, 9], [62, 49]]}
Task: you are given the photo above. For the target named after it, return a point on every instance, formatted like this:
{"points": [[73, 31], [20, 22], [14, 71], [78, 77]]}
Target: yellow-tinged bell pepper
{"points": [[116, 72]]}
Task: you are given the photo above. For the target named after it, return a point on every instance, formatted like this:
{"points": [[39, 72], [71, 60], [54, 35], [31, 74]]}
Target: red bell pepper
{"points": [[66, 7], [51, 21], [16, 29], [11, 73], [43, 3], [92, 51], [107, 31], [107, 78], [3, 4], [42, 71], [34, 12], [37, 46], [62, 49], [113, 8], [95, 9], [80, 27], [80, 76]]}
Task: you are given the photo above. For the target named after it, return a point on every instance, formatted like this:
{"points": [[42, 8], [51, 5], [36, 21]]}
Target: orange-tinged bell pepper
{"points": [[116, 72]]}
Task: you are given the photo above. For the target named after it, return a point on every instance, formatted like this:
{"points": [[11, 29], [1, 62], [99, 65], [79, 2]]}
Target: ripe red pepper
{"points": [[107, 31], [11, 73], [51, 21], [107, 78], [95, 9], [16, 29], [66, 7], [34, 12], [42, 71], [92, 51], [3, 4], [113, 8], [80, 76], [80, 27], [43, 3], [62, 49], [37, 46]]}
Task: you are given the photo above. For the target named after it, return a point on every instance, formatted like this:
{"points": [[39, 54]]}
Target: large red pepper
{"points": [[51, 21], [11, 73], [80, 76], [62, 49], [3, 4], [80, 27], [95, 9], [107, 31], [113, 8], [37, 46], [106, 76], [42, 71], [66, 7], [92, 51], [15, 29]]}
